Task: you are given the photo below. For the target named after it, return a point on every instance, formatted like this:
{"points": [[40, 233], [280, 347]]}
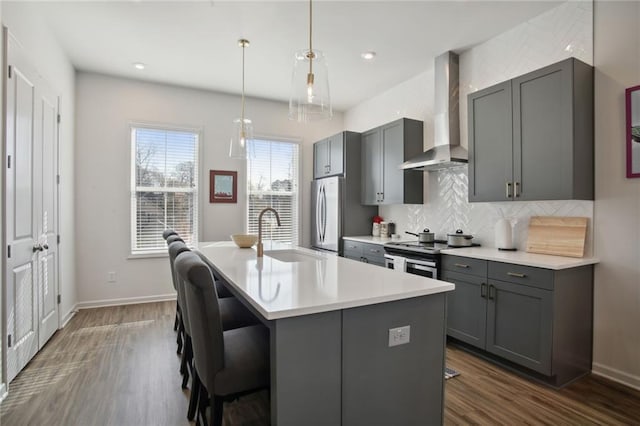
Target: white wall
{"points": [[559, 33], [26, 25], [105, 106], [617, 208]]}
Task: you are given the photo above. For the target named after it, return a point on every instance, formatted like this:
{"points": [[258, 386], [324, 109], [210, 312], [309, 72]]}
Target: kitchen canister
{"points": [[375, 231], [504, 238], [384, 229]]}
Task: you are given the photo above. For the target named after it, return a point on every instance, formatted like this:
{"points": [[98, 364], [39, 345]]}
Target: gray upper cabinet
{"points": [[531, 138], [383, 150], [328, 156]]}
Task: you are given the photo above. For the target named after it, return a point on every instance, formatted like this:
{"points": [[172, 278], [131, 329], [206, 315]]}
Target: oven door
{"points": [[425, 268]]}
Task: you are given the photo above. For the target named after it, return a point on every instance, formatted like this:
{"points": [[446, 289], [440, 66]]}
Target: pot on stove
{"points": [[424, 236], [459, 239]]}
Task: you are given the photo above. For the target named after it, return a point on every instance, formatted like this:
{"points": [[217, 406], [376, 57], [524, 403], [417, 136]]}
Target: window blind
{"points": [[272, 181], [164, 187]]}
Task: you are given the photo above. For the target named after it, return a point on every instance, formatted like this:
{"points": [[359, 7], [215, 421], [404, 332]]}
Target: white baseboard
{"points": [[3, 392], [616, 375], [67, 317], [125, 301]]}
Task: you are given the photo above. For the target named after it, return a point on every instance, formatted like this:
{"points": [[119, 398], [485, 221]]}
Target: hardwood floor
{"points": [[118, 366]]}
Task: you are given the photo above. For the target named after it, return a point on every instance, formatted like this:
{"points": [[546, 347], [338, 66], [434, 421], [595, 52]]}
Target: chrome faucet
{"points": [[262, 212]]}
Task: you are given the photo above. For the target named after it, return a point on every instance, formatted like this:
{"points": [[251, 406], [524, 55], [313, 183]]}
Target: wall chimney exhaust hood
{"points": [[447, 151]]}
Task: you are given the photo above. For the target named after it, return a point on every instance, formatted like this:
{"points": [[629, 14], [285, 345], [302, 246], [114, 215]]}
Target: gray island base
{"points": [[334, 360]]}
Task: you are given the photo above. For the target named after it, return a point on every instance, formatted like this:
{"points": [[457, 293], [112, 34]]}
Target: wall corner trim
{"points": [[616, 375]]}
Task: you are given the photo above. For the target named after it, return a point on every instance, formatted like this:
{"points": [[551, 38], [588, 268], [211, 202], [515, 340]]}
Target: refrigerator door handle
{"points": [[318, 217], [324, 213]]}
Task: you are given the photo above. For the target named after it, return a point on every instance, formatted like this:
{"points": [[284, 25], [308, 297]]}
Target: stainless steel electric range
{"points": [[416, 258]]}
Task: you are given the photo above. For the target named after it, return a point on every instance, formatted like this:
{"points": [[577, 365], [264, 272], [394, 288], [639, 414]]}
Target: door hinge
{"points": [[10, 71], [58, 118], [58, 239], [58, 179], [59, 299], [9, 251], [8, 161], [9, 341]]}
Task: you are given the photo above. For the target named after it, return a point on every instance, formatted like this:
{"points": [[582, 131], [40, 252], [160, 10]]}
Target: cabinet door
{"points": [[371, 167], [519, 321], [393, 156], [542, 133], [490, 144], [467, 308], [336, 154], [321, 159]]}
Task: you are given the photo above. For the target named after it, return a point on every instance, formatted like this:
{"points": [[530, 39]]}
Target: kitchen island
{"points": [[337, 333]]}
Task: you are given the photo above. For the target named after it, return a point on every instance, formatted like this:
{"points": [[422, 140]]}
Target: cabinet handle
{"points": [[374, 250], [365, 260], [382, 196], [492, 295], [461, 265], [483, 290], [517, 275], [516, 187], [508, 189]]}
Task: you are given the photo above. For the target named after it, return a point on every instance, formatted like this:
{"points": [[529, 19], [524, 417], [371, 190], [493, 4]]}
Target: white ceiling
{"points": [[195, 43]]}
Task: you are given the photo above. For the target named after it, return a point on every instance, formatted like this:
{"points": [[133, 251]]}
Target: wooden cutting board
{"points": [[557, 235]]}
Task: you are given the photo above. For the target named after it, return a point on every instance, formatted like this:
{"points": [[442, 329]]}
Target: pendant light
{"points": [[242, 127], [310, 100]]}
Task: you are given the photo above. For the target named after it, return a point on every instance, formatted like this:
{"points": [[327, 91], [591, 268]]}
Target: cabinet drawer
{"points": [[527, 275], [353, 246], [464, 265], [373, 252]]}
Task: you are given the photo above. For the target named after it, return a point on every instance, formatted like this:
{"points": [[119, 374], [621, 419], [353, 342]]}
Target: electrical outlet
{"points": [[399, 335], [111, 277]]}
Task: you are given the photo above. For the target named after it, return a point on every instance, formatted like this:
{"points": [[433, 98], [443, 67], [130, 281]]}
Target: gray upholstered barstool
{"points": [[228, 363], [233, 314]]}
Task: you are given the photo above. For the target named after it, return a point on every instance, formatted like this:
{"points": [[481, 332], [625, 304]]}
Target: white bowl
{"points": [[244, 240]]}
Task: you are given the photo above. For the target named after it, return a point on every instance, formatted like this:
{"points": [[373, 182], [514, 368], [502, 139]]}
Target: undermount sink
{"points": [[292, 256]]}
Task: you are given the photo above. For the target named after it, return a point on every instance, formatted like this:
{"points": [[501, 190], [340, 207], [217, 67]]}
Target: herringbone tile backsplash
{"points": [[446, 209]]}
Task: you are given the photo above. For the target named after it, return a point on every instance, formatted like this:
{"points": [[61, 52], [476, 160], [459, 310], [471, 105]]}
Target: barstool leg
{"points": [[180, 336], [217, 410], [195, 395], [186, 361], [203, 403], [177, 321]]}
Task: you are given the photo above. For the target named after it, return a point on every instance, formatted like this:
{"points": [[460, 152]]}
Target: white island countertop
{"points": [[522, 257], [319, 283]]}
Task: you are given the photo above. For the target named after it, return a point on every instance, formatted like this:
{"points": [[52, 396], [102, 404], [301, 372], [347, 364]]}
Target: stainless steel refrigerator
{"points": [[336, 212]]}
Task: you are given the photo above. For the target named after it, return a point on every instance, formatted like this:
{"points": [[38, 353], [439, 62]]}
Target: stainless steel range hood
{"points": [[447, 151]]}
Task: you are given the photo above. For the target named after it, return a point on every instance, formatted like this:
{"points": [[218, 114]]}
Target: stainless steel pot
{"points": [[424, 236], [459, 239]]}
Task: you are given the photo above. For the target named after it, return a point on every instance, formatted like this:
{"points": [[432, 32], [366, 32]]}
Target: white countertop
{"points": [[376, 240], [522, 257], [325, 282]]}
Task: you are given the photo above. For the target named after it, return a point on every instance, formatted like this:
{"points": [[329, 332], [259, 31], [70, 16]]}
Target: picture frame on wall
{"points": [[633, 131], [223, 186]]}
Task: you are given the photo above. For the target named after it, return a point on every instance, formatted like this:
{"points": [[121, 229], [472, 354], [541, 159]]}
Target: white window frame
{"points": [[300, 145], [162, 252]]}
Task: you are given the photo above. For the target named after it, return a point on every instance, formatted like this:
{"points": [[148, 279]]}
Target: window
{"points": [[272, 181], [164, 187]]}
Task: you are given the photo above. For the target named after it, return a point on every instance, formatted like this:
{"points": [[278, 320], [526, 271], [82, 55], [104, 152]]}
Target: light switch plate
{"points": [[399, 335]]}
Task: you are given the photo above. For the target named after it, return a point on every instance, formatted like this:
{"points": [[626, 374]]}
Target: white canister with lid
{"points": [[504, 237]]}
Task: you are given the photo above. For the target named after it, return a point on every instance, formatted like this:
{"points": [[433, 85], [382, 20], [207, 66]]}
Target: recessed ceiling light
{"points": [[368, 55], [139, 65]]}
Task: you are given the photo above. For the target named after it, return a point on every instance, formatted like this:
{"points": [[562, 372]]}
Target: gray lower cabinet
{"points": [[531, 138], [329, 155], [536, 318], [364, 252], [383, 150]]}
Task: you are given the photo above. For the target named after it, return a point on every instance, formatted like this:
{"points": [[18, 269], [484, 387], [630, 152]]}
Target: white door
{"points": [[47, 145], [31, 210]]}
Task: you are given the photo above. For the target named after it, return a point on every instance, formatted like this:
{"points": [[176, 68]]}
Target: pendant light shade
{"points": [[310, 98], [242, 127]]}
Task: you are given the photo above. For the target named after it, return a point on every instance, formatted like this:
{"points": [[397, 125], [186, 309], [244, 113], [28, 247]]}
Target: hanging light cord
{"points": [[311, 55], [244, 44]]}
